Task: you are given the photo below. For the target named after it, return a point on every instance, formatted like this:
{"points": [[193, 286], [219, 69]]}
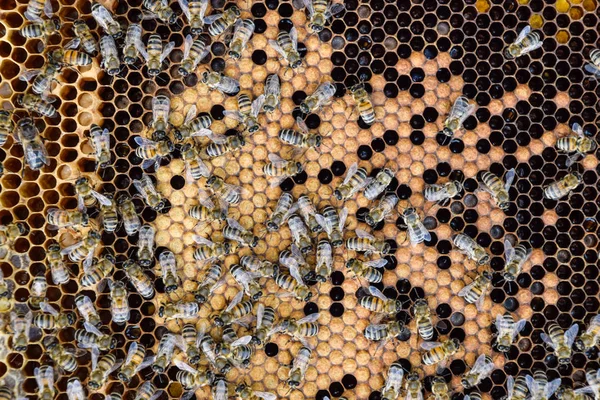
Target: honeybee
{"points": [[471, 248], [593, 67], [539, 387], [384, 208], [208, 251], [87, 196], [102, 368], [149, 193], [298, 329], [145, 252], [7, 125], [248, 112], [230, 194], [194, 11], [578, 144], [417, 233], [237, 352], [507, 331], [92, 337], [377, 302], [207, 211], [133, 41], [44, 377], [153, 152], [193, 52], [254, 264], [526, 42], [192, 379], [236, 310], [58, 219], [20, 325], [442, 193], [105, 19], [515, 258], [193, 126], [362, 99], [483, 367], [593, 380], [87, 310], [83, 33], [562, 187], [293, 259], [244, 392], [191, 339], [75, 390], [8, 234], [382, 333], [219, 23], [220, 82], [300, 233], [161, 106], [220, 388], [68, 56], [367, 243], [119, 305], [208, 346], [393, 383], [561, 341], [38, 289], [110, 55], [108, 215], [475, 291], [35, 103], [35, 8], [209, 283], [247, 281], [272, 93], [461, 110], [27, 134], [41, 29], [324, 262], [168, 265], [42, 84], [356, 179], [7, 288], [499, 192], [566, 393], [293, 283], [64, 358], [139, 279], [159, 9], [308, 211], [516, 389], [155, 54], [591, 336], [413, 387], [265, 318], [333, 224], [179, 310], [222, 145], [287, 46], [52, 319], [299, 367], [83, 250], [438, 352], [284, 208], [164, 354], [319, 12], [131, 219], [100, 140], [367, 269], [319, 98], [60, 273], [243, 30], [303, 139]]}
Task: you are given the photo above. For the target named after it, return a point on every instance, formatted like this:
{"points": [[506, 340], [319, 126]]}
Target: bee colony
{"points": [[299, 200]]}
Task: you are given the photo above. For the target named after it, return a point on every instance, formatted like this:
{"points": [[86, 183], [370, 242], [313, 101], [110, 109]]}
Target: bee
{"points": [[220, 82], [361, 98], [382, 333], [526, 42], [284, 208], [293, 259], [6, 294], [422, 314], [515, 258], [499, 192], [413, 387], [539, 387], [417, 233], [561, 341], [319, 98], [194, 11], [483, 367], [356, 179], [438, 352], [191, 338], [193, 52], [248, 112], [593, 67], [308, 211], [219, 390], [287, 46], [367, 269], [471, 249], [324, 262], [377, 302], [87, 195], [155, 54], [87, 310], [52, 319], [179, 310], [102, 368], [319, 12], [159, 9], [209, 283], [105, 19], [562, 187], [236, 310], [300, 233], [35, 103], [384, 208], [475, 291], [87, 40], [393, 383], [299, 367], [68, 56], [110, 55], [367, 243], [461, 110], [100, 140], [149, 193], [44, 377], [64, 358], [42, 84], [333, 224], [27, 134], [230, 194], [57, 219], [139, 279], [161, 106], [192, 379], [222, 145], [20, 324], [208, 346], [145, 251], [41, 29], [265, 268], [591, 336], [272, 93], [35, 9], [579, 144], [442, 193], [238, 352], [208, 251], [265, 318], [219, 23], [60, 273], [298, 329], [119, 305], [131, 219], [593, 380], [303, 139], [516, 389], [207, 212], [152, 152], [168, 265], [38, 289], [7, 125], [243, 30], [244, 392], [293, 283], [91, 336], [133, 41], [164, 354], [108, 215], [8, 234], [507, 331], [566, 393], [75, 390], [247, 281], [193, 126], [84, 250]]}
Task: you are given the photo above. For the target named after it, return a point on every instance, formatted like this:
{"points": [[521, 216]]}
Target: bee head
{"points": [[306, 249], [204, 77], [170, 288], [85, 219], [487, 274], [292, 383], [20, 101], [196, 30], [299, 167], [318, 140], [579, 345], [268, 108], [71, 317], [255, 341], [456, 342], [236, 11], [110, 258], [253, 128], [307, 297], [504, 205], [386, 248], [240, 139], [56, 23], [23, 228], [161, 311], [157, 368], [179, 137], [211, 181], [122, 377], [321, 278], [183, 71], [369, 220], [172, 17], [316, 28], [337, 194], [564, 360], [152, 71], [240, 388], [272, 226], [502, 348], [234, 54], [257, 295], [510, 53], [226, 368], [200, 297], [508, 276], [465, 383], [93, 385], [218, 321], [303, 106], [113, 343]]}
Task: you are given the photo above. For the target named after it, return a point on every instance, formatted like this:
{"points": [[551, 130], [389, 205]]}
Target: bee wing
{"points": [[309, 318], [509, 251], [48, 8], [273, 85], [461, 109], [323, 222], [95, 353], [212, 18], [336, 8], [102, 16], [480, 364], [260, 313], [351, 171], [186, 10], [430, 345], [376, 263], [204, 199], [510, 177], [242, 341], [74, 386], [343, 215], [236, 225], [166, 51], [276, 160], [302, 125], [236, 300], [294, 37], [510, 386], [524, 32], [299, 4], [297, 253], [265, 395], [102, 199], [131, 352], [595, 321], [276, 47], [27, 75], [139, 45], [157, 394], [72, 44], [257, 104], [191, 113], [295, 273], [91, 329], [480, 300], [140, 141], [591, 68], [377, 293], [184, 366], [546, 339], [234, 114], [551, 387], [577, 129], [363, 234], [572, 159], [519, 325], [221, 388], [69, 249], [200, 240], [571, 334]]}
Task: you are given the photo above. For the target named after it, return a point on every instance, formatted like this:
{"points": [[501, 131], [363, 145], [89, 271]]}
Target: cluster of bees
{"points": [[313, 231]]}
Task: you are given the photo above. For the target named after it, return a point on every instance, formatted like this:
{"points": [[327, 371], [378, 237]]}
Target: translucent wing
{"points": [[524, 32], [302, 125], [572, 159], [144, 142], [377, 293], [309, 318], [234, 114], [260, 313], [466, 289], [236, 225], [551, 388], [139, 45], [242, 341], [377, 263], [200, 240], [276, 47], [461, 109], [236, 300], [186, 10], [265, 395], [296, 274], [212, 18], [509, 250], [532, 385], [297, 253], [276, 160], [430, 345], [363, 234], [479, 302], [91, 329], [571, 334], [595, 321], [546, 339], [336, 8], [102, 16], [294, 37], [480, 364], [577, 129], [510, 177], [272, 86], [131, 352], [72, 44], [102, 199], [591, 68], [95, 352], [510, 386], [519, 325], [257, 104], [74, 386], [166, 51], [343, 216], [351, 171], [184, 366], [191, 113], [27, 75], [48, 9], [204, 199], [69, 249]]}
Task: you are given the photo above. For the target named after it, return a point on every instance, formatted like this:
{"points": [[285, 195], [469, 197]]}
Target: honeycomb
{"points": [[416, 58]]}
